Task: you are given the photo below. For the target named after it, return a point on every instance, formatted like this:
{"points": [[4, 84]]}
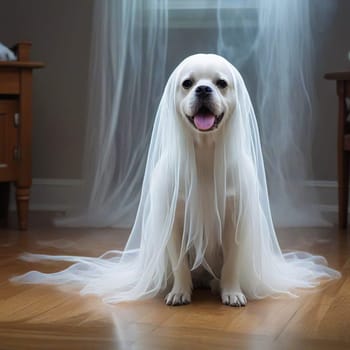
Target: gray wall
{"points": [[60, 32]]}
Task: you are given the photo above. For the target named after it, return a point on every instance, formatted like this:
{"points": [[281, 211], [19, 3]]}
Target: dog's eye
{"points": [[221, 83], [187, 83]]}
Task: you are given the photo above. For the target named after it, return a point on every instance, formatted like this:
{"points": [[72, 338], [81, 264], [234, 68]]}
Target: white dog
{"points": [[204, 212], [205, 99]]}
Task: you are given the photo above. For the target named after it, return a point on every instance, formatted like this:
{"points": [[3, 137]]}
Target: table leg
{"points": [[22, 200], [343, 188], [343, 159], [4, 202]]}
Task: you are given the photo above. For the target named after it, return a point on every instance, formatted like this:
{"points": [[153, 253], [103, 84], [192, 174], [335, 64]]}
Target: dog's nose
{"points": [[203, 91]]}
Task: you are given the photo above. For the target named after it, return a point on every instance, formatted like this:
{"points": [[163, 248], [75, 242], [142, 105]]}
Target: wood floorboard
{"points": [[43, 317]]}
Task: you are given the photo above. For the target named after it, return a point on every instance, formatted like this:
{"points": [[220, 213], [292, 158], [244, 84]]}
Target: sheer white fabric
{"points": [[143, 269], [275, 44], [127, 75]]}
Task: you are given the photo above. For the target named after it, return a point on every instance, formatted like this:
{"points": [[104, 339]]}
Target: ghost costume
{"points": [[143, 269]]}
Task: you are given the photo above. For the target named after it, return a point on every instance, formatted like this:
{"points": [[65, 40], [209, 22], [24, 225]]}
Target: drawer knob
{"points": [[16, 153], [16, 120]]}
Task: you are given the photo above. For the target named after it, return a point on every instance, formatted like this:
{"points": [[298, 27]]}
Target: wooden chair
{"points": [[343, 91]]}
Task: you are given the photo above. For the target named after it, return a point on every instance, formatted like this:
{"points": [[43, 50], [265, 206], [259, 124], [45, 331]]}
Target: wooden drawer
{"points": [[9, 82], [8, 140]]}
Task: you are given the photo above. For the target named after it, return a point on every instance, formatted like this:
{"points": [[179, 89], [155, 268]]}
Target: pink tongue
{"points": [[204, 121]]}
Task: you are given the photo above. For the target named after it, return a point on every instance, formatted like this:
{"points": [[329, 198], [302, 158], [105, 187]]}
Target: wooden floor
{"points": [[41, 317]]}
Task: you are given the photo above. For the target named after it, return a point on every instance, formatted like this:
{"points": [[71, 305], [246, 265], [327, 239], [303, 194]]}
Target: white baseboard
{"points": [[51, 194], [327, 192], [57, 194]]}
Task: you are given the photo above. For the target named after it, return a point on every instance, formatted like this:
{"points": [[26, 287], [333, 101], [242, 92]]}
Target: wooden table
{"points": [[343, 91], [15, 131]]}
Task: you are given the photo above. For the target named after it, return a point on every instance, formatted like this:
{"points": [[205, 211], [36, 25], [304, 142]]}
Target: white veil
{"points": [[143, 269], [127, 63], [274, 47]]}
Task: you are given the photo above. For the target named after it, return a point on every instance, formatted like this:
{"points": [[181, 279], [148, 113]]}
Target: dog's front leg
{"points": [[231, 293], [180, 294]]}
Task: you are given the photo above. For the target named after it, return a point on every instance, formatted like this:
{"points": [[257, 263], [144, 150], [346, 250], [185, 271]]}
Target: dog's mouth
{"points": [[205, 119]]}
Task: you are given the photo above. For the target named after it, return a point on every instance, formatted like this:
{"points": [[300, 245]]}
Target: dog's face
{"points": [[205, 95]]}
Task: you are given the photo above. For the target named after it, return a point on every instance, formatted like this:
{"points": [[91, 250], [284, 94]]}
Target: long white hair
{"points": [[143, 268]]}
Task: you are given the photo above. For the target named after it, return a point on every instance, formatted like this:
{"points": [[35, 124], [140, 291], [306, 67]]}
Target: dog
{"points": [[205, 99]]}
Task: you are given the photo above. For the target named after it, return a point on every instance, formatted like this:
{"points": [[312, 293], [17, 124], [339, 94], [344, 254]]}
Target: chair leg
{"points": [[343, 189]]}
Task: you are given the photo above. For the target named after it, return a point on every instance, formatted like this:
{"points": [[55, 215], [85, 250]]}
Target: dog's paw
{"points": [[236, 299], [176, 298]]}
